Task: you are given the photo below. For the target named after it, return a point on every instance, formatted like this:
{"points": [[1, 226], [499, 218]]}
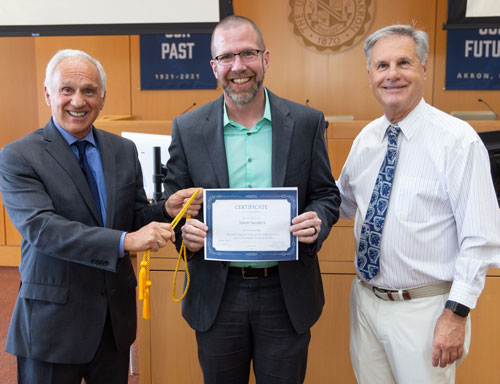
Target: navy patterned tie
{"points": [[84, 165], [371, 231]]}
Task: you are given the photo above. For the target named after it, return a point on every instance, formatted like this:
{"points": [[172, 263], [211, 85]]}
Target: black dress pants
{"points": [[107, 367], [253, 325]]}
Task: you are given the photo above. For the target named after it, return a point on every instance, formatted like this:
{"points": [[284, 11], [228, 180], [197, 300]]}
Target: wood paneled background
{"points": [[337, 83]]}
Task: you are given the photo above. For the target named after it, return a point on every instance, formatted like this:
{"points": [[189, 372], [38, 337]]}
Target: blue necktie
{"points": [[371, 231], [84, 165]]}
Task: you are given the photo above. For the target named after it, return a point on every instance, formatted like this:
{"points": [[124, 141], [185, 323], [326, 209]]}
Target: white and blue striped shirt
{"points": [[443, 219]]}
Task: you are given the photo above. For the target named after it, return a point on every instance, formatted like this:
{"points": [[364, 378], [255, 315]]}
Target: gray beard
{"points": [[243, 98]]}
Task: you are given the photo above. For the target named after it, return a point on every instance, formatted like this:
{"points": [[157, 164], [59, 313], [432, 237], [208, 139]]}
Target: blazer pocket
{"points": [[125, 187], [50, 293]]}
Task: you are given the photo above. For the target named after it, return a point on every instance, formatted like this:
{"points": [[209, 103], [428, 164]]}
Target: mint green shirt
{"points": [[249, 158]]}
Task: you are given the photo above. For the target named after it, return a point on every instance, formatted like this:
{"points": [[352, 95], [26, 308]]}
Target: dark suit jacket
{"points": [[70, 270], [299, 159]]}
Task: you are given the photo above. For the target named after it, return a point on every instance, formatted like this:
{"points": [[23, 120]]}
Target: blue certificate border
{"points": [[212, 195]]}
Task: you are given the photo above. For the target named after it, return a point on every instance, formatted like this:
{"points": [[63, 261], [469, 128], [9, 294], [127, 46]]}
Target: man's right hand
{"points": [[152, 236], [176, 202], [193, 234]]}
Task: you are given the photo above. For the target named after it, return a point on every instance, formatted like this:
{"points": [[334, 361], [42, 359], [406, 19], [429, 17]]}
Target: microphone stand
{"points": [[491, 109], [159, 174]]}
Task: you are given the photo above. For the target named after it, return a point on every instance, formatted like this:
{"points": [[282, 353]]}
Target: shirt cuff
{"points": [[122, 251], [464, 294]]}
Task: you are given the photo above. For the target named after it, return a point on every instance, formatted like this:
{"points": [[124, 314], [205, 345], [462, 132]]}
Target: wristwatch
{"points": [[457, 308]]}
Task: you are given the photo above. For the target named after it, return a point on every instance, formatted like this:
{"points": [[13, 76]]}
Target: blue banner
{"points": [[473, 59], [176, 61]]}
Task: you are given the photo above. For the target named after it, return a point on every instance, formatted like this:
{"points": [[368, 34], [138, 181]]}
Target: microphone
{"points": [[491, 109], [157, 175], [188, 108]]}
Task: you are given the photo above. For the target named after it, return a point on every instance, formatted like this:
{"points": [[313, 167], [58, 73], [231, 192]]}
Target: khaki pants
{"points": [[391, 341]]}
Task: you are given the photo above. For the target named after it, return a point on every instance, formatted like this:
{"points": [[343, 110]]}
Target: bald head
{"points": [[235, 21]]}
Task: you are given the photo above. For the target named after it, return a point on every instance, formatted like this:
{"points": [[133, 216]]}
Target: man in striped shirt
{"points": [[441, 224]]}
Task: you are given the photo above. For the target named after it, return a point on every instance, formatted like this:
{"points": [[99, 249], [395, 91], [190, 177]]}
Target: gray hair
{"points": [[420, 38], [234, 21], [64, 54]]}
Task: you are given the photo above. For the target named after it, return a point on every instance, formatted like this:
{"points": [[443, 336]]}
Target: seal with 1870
{"points": [[331, 25]]}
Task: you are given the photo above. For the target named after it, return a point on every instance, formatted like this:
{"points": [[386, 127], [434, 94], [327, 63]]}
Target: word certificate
{"points": [[250, 224]]}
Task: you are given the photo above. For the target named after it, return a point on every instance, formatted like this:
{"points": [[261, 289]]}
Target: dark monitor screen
{"points": [[491, 140]]}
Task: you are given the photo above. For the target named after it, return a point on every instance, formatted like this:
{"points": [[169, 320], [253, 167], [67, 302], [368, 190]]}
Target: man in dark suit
{"points": [[75, 316], [248, 138]]}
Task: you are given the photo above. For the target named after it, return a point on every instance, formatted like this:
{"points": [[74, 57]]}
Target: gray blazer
{"points": [[299, 159], [70, 270]]}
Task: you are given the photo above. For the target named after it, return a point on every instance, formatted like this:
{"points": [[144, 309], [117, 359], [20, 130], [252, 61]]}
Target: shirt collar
{"points": [[410, 124], [267, 113], [70, 139]]}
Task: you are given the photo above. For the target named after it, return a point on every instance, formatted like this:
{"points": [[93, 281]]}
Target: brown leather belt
{"points": [[249, 273], [427, 290]]}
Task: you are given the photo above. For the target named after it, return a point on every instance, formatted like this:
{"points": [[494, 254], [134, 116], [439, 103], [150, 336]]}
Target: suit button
{"points": [[103, 292]]}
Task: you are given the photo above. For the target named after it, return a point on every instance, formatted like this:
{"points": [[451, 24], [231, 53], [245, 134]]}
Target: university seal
{"points": [[331, 25]]}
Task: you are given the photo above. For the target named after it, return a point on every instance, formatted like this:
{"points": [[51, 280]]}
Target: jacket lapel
{"points": [[109, 171], [282, 129], [213, 132], [60, 150]]}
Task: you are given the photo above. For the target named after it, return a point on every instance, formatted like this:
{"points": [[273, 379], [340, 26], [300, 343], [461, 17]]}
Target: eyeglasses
{"points": [[246, 56]]}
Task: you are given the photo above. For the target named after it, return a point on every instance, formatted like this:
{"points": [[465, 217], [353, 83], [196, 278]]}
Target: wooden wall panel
{"points": [[337, 83], [481, 365], [339, 246], [12, 236], [338, 150], [174, 359], [329, 360], [114, 54], [19, 111], [18, 97], [456, 100]]}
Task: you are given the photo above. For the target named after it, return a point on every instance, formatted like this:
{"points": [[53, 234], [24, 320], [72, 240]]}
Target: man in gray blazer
{"points": [[248, 138], [75, 315]]}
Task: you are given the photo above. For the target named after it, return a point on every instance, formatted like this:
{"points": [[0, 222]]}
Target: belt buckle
{"points": [[380, 293], [245, 277], [396, 295]]}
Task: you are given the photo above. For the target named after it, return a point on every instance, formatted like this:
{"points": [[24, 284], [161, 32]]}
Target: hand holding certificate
{"points": [[250, 224]]}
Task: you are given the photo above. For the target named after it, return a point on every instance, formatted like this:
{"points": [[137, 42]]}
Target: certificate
{"points": [[250, 224]]}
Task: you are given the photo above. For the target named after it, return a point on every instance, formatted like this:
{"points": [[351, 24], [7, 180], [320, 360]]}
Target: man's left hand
{"points": [[449, 336], [306, 227]]}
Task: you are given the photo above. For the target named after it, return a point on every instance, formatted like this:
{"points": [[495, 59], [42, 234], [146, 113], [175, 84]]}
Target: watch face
{"points": [[451, 305], [457, 308]]}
